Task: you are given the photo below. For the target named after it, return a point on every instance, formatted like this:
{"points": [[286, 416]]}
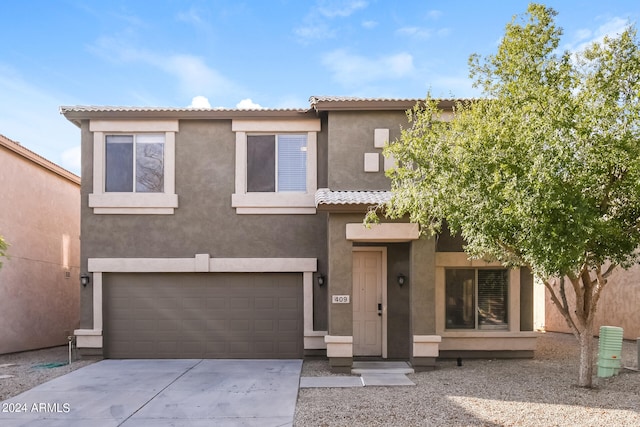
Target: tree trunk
{"points": [[585, 338]]}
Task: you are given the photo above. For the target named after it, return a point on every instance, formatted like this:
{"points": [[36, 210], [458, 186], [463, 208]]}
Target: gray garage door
{"points": [[203, 315]]}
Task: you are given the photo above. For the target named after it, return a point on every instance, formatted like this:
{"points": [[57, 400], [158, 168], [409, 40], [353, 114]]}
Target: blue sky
{"points": [[236, 53]]}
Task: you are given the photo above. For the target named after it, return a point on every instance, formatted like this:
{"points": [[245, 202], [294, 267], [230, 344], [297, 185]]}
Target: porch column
{"points": [[340, 338], [423, 304]]}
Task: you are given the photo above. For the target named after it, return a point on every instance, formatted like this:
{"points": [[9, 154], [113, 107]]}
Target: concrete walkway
{"points": [[365, 374], [158, 393]]}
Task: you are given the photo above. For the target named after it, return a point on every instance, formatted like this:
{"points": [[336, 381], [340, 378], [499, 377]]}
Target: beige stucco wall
{"points": [[40, 218], [619, 305]]}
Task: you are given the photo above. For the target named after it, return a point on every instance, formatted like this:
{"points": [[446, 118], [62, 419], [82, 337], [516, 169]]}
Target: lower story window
{"points": [[476, 298]]}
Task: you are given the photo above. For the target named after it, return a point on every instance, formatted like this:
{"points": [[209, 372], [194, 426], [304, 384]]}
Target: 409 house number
{"points": [[340, 299]]}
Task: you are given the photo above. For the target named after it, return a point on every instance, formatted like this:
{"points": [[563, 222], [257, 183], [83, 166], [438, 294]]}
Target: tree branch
{"points": [[563, 306]]}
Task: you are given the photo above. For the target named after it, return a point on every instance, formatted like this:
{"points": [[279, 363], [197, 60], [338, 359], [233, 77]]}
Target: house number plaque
{"points": [[340, 299]]}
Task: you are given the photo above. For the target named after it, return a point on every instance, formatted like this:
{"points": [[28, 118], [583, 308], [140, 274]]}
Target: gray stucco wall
{"points": [[340, 277], [204, 222], [351, 135], [423, 286], [410, 308], [526, 299]]}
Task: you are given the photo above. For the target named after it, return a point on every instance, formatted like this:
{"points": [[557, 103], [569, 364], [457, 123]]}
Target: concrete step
{"points": [[364, 380], [381, 367], [379, 373]]}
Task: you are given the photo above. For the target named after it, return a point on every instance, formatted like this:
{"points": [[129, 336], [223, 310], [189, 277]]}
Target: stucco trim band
{"points": [[88, 338], [426, 345], [384, 232], [193, 265], [339, 346], [201, 263], [481, 342]]}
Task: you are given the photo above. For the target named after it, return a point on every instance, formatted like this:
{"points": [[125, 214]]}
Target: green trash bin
{"points": [[609, 351]]}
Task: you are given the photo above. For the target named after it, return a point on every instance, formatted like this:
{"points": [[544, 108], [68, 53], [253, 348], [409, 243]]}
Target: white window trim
{"points": [[133, 203], [446, 260], [275, 203]]}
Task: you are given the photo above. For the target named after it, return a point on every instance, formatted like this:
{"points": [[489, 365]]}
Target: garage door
{"points": [[203, 315]]}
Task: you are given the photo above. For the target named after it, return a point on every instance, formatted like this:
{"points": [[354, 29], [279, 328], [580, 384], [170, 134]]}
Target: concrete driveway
{"points": [[162, 393]]}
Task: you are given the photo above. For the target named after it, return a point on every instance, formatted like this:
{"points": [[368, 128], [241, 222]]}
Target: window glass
{"points": [[119, 163], [148, 158], [492, 299], [460, 294], [476, 299], [149, 164], [292, 163], [276, 163], [261, 163]]}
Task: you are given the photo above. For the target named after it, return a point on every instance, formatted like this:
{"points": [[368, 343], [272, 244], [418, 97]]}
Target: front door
{"points": [[367, 303]]}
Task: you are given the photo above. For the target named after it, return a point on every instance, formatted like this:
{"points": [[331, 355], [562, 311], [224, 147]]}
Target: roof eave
{"points": [[344, 208], [365, 105], [320, 104], [77, 114]]}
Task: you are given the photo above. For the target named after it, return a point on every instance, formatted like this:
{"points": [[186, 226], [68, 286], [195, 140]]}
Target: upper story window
{"points": [[276, 166], [134, 163], [477, 299], [276, 163], [133, 167]]}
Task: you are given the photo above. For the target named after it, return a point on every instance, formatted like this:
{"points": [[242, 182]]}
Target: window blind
{"points": [[292, 163], [493, 288]]}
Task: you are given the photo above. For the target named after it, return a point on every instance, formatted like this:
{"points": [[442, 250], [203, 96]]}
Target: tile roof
{"points": [[77, 113], [349, 103], [316, 99], [101, 109], [324, 196]]}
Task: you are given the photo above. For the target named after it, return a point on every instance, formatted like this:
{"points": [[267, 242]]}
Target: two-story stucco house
{"points": [[213, 233]]}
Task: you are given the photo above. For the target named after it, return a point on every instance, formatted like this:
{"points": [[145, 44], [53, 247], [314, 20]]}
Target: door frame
{"points": [[383, 255]]}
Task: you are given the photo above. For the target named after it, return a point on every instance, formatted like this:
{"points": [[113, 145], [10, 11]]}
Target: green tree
{"points": [[543, 171]]}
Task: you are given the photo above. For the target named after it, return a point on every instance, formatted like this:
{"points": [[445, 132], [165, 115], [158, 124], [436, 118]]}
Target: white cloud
{"points": [[369, 24], [434, 14], [415, 32], [70, 158], [190, 16], [340, 8], [355, 70], [316, 25], [314, 31], [193, 73], [200, 102], [248, 104], [585, 37]]}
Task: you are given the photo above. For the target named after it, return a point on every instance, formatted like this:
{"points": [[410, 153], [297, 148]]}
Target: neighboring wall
{"points": [[619, 305], [40, 219]]}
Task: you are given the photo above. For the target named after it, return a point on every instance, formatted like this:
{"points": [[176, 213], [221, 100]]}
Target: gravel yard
{"points": [[22, 371], [529, 392]]}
